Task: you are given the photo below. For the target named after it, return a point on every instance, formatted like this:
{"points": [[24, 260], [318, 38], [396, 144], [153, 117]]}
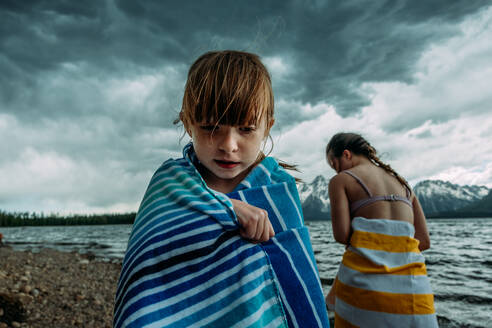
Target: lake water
{"points": [[459, 262]]}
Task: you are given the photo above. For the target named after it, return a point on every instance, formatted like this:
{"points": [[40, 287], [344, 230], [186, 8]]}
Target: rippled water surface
{"points": [[459, 262], [104, 241]]}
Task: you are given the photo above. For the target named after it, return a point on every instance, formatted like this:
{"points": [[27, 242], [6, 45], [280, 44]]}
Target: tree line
{"points": [[18, 219]]}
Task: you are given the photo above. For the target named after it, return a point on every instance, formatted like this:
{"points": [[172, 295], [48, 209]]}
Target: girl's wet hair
{"points": [[231, 88], [227, 87], [359, 146]]}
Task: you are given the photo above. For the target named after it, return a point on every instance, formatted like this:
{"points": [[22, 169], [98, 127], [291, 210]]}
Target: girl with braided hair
{"points": [[382, 280]]}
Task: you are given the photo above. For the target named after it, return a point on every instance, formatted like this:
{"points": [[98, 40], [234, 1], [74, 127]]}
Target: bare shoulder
{"points": [[336, 179], [339, 181]]}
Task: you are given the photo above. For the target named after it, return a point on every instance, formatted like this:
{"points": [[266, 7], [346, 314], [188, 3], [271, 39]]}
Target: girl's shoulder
{"points": [[339, 180], [350, 177]]}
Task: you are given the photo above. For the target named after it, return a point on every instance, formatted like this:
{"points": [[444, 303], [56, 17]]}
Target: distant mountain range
{"points": [[443, 199], [438, 199], [315, 199]]}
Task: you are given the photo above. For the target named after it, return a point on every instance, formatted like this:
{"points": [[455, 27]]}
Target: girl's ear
{"points": [[347, 153]]}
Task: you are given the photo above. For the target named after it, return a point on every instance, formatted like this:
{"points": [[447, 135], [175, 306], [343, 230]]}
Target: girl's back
{"points": [[379, 183]]}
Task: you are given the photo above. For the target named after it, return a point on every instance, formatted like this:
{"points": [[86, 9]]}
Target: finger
{"points": [[246, 234], [260, 225], [268, 228], [271, 231], [243, 233], [266, 232], [250, 227]]}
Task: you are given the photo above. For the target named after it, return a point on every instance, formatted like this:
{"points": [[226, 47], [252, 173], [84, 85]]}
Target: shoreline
{"points": [[52, 288], [59, 289]]}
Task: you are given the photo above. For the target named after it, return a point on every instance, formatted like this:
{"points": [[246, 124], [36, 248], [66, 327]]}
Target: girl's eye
{"points": [[247, 129]]}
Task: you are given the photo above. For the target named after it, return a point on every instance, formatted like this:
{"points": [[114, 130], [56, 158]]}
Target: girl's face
{"points": [[341, 163], [333, 162], [227, 152]]}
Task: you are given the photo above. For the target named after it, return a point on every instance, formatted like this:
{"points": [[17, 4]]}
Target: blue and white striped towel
{"points": [[187, 266]]}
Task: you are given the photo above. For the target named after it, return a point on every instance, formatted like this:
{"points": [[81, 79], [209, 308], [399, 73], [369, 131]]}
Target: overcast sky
{"points": [[89, 89]]}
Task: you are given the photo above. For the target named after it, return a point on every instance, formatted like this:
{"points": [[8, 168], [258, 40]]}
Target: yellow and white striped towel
{"points": [[382, 280]]}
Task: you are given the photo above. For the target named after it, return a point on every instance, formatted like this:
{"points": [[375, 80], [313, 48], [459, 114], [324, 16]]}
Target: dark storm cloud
{"points": [[332, 47], [91, 88], [350, 44]]}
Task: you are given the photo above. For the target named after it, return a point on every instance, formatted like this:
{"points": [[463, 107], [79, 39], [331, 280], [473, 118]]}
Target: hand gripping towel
{"points": [[382, 280], [187, 266]]}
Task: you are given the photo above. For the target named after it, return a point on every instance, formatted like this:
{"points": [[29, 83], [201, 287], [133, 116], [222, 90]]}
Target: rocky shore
{"points": [[55, 289]]}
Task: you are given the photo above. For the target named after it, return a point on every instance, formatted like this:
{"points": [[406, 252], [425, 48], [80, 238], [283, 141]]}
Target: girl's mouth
{"points": [[226, 164]]}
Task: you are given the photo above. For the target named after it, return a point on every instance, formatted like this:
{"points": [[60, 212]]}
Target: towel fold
{"points": [[187, 266]]}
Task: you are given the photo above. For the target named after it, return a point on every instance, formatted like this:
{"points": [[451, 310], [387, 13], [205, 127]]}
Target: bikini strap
{"points": [[371, 199], [409, 192], [359, 181]]}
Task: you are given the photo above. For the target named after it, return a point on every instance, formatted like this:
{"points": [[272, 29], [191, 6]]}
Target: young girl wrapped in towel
{"points": [[219, 238], [382, 280]]}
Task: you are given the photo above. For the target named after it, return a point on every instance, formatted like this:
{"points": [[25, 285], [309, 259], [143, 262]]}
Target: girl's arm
{"points": [[331, 296], [421, 232], [340, 210], [254, 221]]}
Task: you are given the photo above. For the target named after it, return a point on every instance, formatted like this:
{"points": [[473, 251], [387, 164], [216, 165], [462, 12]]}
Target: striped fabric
{"points": [[382, 280], [187, 266]]}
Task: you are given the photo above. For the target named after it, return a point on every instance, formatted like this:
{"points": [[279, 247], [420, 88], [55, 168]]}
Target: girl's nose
{"points": [[229, 141]]}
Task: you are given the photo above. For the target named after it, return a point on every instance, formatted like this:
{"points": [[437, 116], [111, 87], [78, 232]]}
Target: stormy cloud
{"points": [[89, 90]]}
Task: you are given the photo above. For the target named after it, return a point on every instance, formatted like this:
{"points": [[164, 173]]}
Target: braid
{"points": [[375, 159]]}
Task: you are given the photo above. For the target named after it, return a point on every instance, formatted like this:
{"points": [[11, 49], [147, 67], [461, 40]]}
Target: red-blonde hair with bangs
{"points": [[227, 87]]}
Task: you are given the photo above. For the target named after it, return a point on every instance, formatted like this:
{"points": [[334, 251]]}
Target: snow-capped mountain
{"points": [[442, 196], [481, 208], [435, 196], [315, 200]]}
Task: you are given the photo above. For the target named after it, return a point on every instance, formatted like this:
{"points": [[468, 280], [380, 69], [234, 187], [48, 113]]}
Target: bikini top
{"points": [[371, 199]]}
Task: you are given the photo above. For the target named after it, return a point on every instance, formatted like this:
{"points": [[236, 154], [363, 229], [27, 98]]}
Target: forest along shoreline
{"points": [[56, 289]]}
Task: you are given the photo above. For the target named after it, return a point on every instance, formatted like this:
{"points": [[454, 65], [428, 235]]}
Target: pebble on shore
{"points": [[55, 289]]}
